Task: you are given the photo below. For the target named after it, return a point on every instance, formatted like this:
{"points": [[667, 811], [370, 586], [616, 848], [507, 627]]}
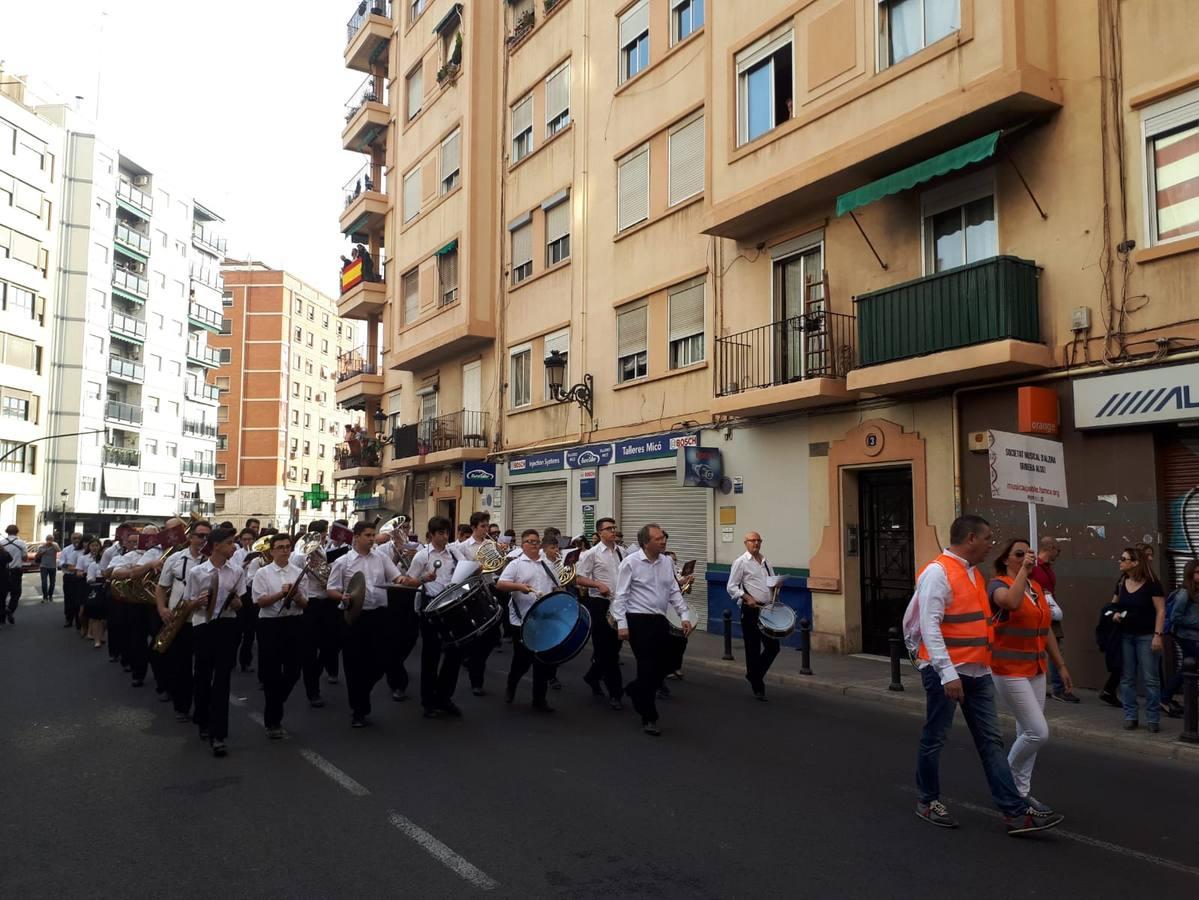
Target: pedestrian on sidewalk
{"points": [[1141, 616], [748, 588], [47, 564], [947, 626], [14, 549], [1183, 624], [1045, 576], [1023, 646]]}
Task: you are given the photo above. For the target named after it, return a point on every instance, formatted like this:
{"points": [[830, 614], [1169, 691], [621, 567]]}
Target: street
{"points": [[105, 795]]}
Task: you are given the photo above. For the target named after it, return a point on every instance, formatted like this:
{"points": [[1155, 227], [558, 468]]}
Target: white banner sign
{"points": [[1027, 469], [1142, 396]]}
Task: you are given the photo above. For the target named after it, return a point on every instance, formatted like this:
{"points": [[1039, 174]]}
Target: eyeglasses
{"points": [[753, 540], [1126, 559], [532, 542], [608, 528]]}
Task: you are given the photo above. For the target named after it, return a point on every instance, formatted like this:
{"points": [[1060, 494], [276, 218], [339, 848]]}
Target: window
{"points": [[557, 101], [220, 471], [320, 451], [102, 252], [222, 383], [324, 320], [150, 445], [450, 161], [226, 299], [295, 388], [560, 341], [291, 473], [226, 355], [148, 489], [324, 345], [417, 7], [181, 248], [411, 199], [686, 145], [522, 248], [226, 326], [414, 91], [294, 445], [155, 404], [177, 366], [306, 479], [311, 313], [308, 338], [521, 359], [222, 442], [299, 334], [17, 299], [173, 408], [19, 352], [634, 40], [447, 276], [410, 286], [632, 343], [906, 26], [87, 483], [92, 390], [222, 413], [632, 189], [15, 407], [686, 18], [308, 367], [295, 417], [959, 224], [522, 129], [307, 449], [1171, 130], [765, 86], [557, 231], [451, 28], [307, 420], [307, 392], [686, 323]]}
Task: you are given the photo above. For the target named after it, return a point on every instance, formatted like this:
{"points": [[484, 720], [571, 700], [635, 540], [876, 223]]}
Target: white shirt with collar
{"points": [[16, 550], [312, 588], [748, 576], [239, 556], [174, 572], [66, 559], [922, 621], [270, 580], [533, 573], [111, 552], [645, 586], [137, 558], [94, 573], [232, 584], [378, 570], [601, 563], [469, 548], [422, 565]]}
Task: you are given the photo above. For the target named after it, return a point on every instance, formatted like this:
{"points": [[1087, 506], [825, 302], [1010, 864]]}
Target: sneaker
{"points": [[316, 702], [1130, 724], [1036, 804], [138, 682], [432, 714], [935, 813], [399, 696], [509, 694], [274, 734], [204, 734], [651, 728], [1173, 709], [182, 717], [1066, 697], [1032, 820], [219, 749], [332, 679], [1110, 699], [163, 696], [594, 684], [451, 710], [542, 708], [760, 696], [357, 722]]}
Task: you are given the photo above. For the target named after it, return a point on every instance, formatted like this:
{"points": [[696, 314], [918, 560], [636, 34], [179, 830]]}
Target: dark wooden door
{"points": [[888, 567]]}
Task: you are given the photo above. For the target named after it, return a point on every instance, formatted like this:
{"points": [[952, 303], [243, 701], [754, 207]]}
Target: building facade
{"points": [[279, 428]]}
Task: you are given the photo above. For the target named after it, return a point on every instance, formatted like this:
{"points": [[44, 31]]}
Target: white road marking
{"points": [[442, 853], [333, 772]]}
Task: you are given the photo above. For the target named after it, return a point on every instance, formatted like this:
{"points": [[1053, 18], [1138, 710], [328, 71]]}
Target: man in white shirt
{"points": [[596, 572], [365, 644], [176, 663], [403, 621], [431, 571], [526, 580], [277, 594], [748, 589], [645, 586], [74, 583], [119, 611], [322, 619], [216, 634], [480, 648], [141, 621], [15, 548]]}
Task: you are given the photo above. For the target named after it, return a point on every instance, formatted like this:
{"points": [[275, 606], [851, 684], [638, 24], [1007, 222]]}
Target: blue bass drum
{"points": [[556, 628]]}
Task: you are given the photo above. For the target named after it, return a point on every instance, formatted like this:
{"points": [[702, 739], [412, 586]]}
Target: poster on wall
{"points": [[1027, 469]]}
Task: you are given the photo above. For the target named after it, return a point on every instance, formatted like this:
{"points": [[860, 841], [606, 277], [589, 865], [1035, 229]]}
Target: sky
{"points": [[240, 101]]}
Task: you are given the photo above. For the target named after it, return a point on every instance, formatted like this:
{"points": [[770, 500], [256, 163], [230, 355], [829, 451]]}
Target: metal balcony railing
{"points": [[202, 314], [210, 276], [363, 180], [203, 393], [205, 356], [458, 430], [127, 413], [196, 468], [127, 237], [122, 456], [135, 197], [367, 92], [208, 239], [361, 11], [126, 368], [187, 507], [130, 281], [199, 428], [362, 361], [817, 345], [118, 504], [127, 326]]}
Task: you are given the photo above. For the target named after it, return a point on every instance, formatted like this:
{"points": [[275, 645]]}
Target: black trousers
{"points": [[605, 648], [476, 653], [323, 626], [176, 666], [365, 648], [760, 650], [403, 628], [648, 637], [247, 619], [12, 584], [74, 591], [216, 653], [280, 658], [143, 624], [439, 667], [49, 577], [522, 661], [116, 625]]}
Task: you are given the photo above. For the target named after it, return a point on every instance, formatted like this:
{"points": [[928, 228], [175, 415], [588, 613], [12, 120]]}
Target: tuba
{"points": [[314, 553], [260, 550]]}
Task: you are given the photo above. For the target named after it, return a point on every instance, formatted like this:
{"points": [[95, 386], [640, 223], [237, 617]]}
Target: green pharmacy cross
{"points": [[317, 496]]}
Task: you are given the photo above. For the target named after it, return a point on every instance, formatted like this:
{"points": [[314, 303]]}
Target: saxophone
{"points": [[180, 615]]}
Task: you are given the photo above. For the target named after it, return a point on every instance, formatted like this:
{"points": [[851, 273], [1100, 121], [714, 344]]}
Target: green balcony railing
{"points": [[992, 300]]}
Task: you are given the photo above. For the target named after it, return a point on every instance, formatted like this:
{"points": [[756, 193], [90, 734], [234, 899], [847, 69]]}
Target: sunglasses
{"points": [[1019, 554], [1126, 559]]}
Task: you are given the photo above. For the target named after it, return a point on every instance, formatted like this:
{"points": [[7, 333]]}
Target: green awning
{"points": [[448, 248], [942, 163]]}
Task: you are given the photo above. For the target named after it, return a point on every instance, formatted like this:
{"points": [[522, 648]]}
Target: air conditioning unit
{"points": [[141, 180]]}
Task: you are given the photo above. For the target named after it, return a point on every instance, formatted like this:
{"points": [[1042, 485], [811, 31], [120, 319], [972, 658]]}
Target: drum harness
{"points": [[766, 563], [424, 588], [512, 600]]}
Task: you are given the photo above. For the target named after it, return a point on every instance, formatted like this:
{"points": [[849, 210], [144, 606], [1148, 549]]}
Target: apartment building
{"points": [[31, 156], [279, 428], [834, 239]]}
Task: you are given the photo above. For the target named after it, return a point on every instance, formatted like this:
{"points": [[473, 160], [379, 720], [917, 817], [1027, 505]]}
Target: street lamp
{"points": [[555, 370], [63, 495], [380, 418]]}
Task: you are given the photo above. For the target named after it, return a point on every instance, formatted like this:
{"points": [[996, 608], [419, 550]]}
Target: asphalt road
{"points": [[103, 794]]}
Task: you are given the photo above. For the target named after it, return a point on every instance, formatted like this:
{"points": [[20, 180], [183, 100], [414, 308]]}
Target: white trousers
{"points": [[1025, 698]]}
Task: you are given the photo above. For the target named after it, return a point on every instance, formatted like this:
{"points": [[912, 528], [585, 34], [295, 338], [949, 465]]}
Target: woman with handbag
{"points": [[94, 606]]}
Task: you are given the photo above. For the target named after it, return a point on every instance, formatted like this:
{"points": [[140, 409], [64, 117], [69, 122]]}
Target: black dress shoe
{"points": [[219, 749], [316, 702], [542, 708], [399, 696], [652, 729], [432, 714], [509, 695], [555, 684], [615, 704], [138, 682], [204, 734], [478, 692], [357, 722], [451, 710]]}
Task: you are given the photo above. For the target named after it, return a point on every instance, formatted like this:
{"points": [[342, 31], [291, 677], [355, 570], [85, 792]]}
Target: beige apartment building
{"points": [[833, 239], [278, 424]]}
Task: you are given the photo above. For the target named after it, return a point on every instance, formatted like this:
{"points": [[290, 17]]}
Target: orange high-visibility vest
{"points": [[966, 625], [1020, 640]]}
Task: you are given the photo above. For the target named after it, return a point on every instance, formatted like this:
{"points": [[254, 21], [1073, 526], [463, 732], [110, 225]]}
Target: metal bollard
{"points": [[1190, 701], [728, 635], [895, 643], [805, 647]]}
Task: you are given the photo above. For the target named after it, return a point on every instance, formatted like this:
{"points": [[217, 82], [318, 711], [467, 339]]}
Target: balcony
{"points": [[130, 285], [358, 459], [974, 322], [120, 505], [209, 240], [367, 35], [126, 370], [367, 116], [207, 275], [131, 242], [445, 334], [129, 457], [127, 328], [365, 208], [197, 469], [202, 355], [202, 316], [188, 506], [456, 437], [791, 364], [202, 393], [359, 377], [134, 200], [122, 413], [363, 289], [200, 428]]}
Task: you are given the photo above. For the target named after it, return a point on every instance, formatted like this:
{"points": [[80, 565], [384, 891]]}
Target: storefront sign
{"points": [[590, 456], [368, 501], [655, 446], [700, 467], [478, 474], [1037, 411], [588, 486], [1139, 397], [589, 519], [536, 462], [1027, 469]]}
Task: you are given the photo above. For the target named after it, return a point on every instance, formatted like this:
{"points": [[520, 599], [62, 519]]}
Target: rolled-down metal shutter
{"points": [[683, 513], [1179, 462], [539, 506]]}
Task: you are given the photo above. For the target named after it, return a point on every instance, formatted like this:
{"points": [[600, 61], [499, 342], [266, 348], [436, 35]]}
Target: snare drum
{"points": [[675, 621], [776, 621], [462, 612], [556, 628]]}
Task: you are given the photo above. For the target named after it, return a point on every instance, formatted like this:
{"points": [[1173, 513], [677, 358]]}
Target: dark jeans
{"points": [[247, 618], [648, 637], [1140, 656], [11, 583], [1174, 685], [978, 706], [49, 578], [74, 593], [439, 667], [476, 653], [605, 648], [1055, 677], [176, 666], [323, 624], [216, 654], [365, 648], [522, 660], [280, 654], [403, 626], [760, 650]]}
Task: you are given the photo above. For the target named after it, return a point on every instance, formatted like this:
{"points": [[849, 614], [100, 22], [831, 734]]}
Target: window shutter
{"points": [[416, 91], [522, 116], [412, 186], [634, 22], [633, 190], [448, 270], [450, 151], [411, 296], [559, 340], [522, 245], [687, 161], [557, 93], [557, 222], [687, 311], [631, 331]]}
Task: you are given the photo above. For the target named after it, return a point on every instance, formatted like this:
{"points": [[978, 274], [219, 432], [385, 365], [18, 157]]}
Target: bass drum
{"points": [[462, 612], [556, 628]]}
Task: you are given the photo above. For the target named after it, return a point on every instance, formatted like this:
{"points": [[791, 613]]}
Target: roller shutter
{"points": [[539, 506], [1179, 465], [682, 513]]}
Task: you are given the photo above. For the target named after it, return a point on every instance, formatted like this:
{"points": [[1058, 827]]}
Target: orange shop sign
{"points": [[1038, 411]]}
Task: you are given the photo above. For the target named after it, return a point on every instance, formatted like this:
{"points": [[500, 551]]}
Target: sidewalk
{"points": [[867, 677]]}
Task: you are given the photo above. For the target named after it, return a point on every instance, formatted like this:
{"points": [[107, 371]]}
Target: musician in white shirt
{"points": [[527, 580], [480, 648], [140, 621], [431, 571], [748, 588], [645, 587], [596, 572], [74, 581], [176, 663], [280, 601], [323, 620]]}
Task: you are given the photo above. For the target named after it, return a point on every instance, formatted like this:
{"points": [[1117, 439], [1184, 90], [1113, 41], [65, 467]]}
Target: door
{"points": [[799, 300], [449, 509], [472, 387], [1178, 463], [887, 563]]}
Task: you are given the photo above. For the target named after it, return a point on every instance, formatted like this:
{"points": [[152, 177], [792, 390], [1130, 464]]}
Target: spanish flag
{"points": [[351, 274]]}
